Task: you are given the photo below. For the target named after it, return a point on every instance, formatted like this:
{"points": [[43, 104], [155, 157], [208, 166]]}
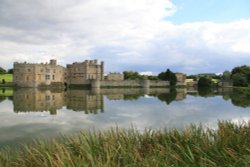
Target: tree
{"points": [[2, 71], [168, 76], [131, 75], [10, 71], [239, 79], [226, 76], [244, 70], [204, 82]]}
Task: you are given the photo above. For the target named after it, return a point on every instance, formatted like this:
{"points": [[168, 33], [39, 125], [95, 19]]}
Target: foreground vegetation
{"points": [[195, 146]]}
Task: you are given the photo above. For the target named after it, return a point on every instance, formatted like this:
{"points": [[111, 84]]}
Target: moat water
{"points": [[30, 113]]}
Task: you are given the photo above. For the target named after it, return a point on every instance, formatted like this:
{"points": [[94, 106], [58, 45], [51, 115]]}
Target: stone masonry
{"points": [[36, 75]]}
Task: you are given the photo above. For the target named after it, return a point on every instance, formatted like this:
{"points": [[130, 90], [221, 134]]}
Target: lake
{"points": [[31, 113]]}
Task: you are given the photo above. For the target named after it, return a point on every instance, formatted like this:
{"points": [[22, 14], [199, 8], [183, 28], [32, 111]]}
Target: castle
{"points": [[51, 74], [89, 73]]}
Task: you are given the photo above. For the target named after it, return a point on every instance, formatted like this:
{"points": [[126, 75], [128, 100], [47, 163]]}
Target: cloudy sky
{"points": [[191, 36]]}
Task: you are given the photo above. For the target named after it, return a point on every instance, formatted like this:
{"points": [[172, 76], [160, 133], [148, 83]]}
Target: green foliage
{"points": [[226, 76], [194, 146], [168, 76], [241, 76], [150, 77], [10, 71], [194, 77], [205, 82], [2, 71], [239, 79], [132, 75]]}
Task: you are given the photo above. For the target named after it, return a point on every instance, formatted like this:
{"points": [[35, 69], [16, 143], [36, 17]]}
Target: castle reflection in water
{"points": [[87, 101]]}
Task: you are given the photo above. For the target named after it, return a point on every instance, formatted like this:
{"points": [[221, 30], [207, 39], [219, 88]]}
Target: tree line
{"points": [[3, 71], [238, 76], [167, 75]]}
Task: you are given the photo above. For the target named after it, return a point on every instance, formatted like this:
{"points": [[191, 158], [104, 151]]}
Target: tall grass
{"points": [[229, 145]]}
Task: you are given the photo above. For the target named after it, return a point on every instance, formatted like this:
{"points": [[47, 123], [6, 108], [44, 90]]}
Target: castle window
{"points": [[47, 70], [53, 77], [29, 70], [47, 97], [47, 77], [27, 78], [54, 71], [41, 70]]}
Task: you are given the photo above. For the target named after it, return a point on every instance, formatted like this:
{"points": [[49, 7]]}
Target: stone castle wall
{"points": [[82, 73], [115, 77], [89, 72], [35, 75], [134, 83]]}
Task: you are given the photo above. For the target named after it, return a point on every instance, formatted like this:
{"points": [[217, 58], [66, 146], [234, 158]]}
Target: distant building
{"points": [[35, 75], [51, 74], [82, 73], [115, 77], [180, 77]]}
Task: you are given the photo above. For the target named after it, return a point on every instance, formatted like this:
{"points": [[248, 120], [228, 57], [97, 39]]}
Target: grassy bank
{"points": [[6, 80], [6, 77], [227, 146]]}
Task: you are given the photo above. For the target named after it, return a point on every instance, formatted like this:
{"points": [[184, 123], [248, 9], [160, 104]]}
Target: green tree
{"points": [[239, 79], [244, 70], [10, 71], [132, 75], [2, 71], [168, 76], [226, 76], [205, 82]]}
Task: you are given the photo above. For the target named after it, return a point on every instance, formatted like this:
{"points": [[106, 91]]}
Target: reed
{"points": [[194, 146]]}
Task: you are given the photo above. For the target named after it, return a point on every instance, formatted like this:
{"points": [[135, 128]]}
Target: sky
{"points": [[148, 36]]}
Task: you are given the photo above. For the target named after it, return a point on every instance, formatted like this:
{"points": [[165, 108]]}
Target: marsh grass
{"points": [[229, 145]]}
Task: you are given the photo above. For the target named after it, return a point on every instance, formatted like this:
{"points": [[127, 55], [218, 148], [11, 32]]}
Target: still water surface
{"points": [[30, 113]]}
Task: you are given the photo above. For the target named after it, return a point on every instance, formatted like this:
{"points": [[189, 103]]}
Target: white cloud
{"points": [[127, 35]]}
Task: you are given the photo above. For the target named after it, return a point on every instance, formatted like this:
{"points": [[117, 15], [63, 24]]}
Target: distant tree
{"points": [[132, 75], [2, 71], [239, 79], [10, 71], [241, 76], [168, 76], [226, 76], [150, 77], [205, 82], [217, 77], [3, 81], [194, 77]]}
